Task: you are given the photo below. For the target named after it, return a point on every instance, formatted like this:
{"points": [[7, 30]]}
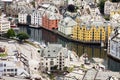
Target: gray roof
{"points": [[90, 75], [67, 22], [52, 50]]}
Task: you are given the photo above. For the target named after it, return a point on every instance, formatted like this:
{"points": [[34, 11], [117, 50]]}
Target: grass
{"points": [[3, 54], [31, 43]]}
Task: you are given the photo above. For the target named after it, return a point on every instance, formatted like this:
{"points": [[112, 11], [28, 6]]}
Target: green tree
{"points": [[71, 8], [33, 3], [10, 33], [101, 6], [22, 36]]}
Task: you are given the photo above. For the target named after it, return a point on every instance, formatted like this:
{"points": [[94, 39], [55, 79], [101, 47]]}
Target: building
{"points": [[36, 17], [1, 5], [50, 20], [66, 25], [4, 24], [50, 17], [12, 67], [112, 13], [53, 57], [74, 75], [115, 19], [114, 44], [110, 6], [92, 32], [93, 74], [16, 7], [22, 17]]}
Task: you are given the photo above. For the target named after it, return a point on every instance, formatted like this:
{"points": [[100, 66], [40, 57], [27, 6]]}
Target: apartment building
{"points": [[54, 56], [4, 24], [50, 17], [114, 44], [12, 67], [66, 25]]}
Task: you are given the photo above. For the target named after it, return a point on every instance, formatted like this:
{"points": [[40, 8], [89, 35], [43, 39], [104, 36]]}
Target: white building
{"points": [[114, 44], [115, 20], [54, 56], [36, 17], [12, 67], [4, 24], [66, 25], [22, 17]]}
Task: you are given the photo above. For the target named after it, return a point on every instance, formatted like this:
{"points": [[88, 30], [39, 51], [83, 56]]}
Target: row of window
{"points": [[10, 70]]}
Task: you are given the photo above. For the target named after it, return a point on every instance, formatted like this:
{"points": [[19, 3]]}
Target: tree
{"points": [[22, 36], [33, 3], [101, 6], [10, 33], [71, 8]]}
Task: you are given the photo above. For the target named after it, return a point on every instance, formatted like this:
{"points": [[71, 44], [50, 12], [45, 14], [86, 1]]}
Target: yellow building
{"points": [[114, 12], [91, 33]]}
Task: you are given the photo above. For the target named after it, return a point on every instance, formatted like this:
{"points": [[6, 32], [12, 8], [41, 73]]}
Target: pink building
{"points": [[50, 20]]}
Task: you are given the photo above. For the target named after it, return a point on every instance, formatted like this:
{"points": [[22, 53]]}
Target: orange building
{"points": [[50, 20]]}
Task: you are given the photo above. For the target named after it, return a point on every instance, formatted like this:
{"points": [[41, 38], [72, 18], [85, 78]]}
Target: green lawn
{"points": [[3, 55]]}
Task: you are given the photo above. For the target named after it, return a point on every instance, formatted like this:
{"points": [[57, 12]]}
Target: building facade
{"points": [[11, 68], [4, 24], [114, 44], [22, 17], [50, 20], [54, 57], [112, 13], [91, 33], [51, 16], [66, 25], [36, 18]]}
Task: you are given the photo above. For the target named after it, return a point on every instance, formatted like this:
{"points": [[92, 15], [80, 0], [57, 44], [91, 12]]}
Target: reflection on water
{"points": [[113, 65], [46, 36]]}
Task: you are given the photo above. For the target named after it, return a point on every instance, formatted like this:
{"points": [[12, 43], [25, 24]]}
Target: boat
{"points": [[14, 26]]}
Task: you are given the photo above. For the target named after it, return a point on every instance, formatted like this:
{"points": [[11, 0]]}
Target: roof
{"points": [[67, 22], [115, 36], [105, 75], [52, 50], [75, 75], [90, 75], [53, 16]]}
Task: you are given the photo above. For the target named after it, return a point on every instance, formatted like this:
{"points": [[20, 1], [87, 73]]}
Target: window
{"points": [[51, 62], [11, 69], [4, 65], [46, 63], [16, 70], [15, 73], [4, 70], [8, 69]]}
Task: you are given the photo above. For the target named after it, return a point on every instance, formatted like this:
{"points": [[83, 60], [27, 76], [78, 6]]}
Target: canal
{"points": [[41, 35]]}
